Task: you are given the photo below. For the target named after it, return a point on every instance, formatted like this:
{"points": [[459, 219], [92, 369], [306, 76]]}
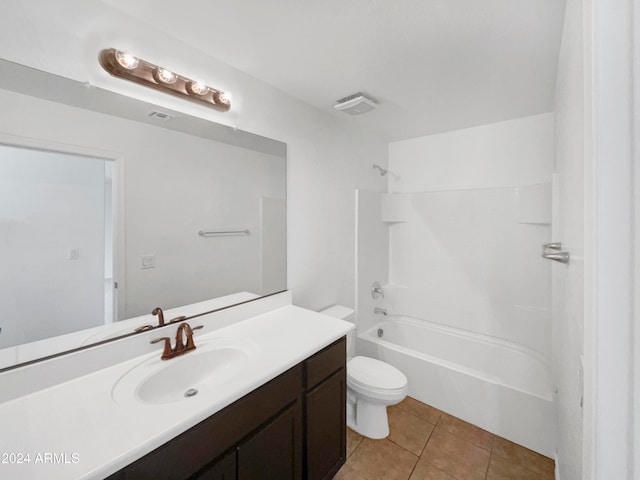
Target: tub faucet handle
{"points": [[383, 311], [376, 290]]}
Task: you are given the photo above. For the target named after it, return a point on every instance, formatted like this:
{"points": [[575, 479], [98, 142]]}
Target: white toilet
{"points": [[372, 386]]}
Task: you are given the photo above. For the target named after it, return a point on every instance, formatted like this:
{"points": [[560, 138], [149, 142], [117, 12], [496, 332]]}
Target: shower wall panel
{"points": [[480, 209], [464, 260]]}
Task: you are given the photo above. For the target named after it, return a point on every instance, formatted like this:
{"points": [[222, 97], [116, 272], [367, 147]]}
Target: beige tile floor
{"points": [[427, 444]]}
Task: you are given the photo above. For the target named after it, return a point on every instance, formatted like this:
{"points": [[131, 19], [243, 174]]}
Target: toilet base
{"points": [[368, 419], [372, 386]]}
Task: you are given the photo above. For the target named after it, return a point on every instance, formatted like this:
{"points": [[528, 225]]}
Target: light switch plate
{"points": [[148, 261]]}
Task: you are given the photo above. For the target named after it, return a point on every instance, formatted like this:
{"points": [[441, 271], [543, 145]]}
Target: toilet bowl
{"points": [[372, 386]]}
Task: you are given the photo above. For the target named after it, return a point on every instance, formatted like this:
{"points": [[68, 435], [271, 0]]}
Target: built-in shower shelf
{"points": [[396, 207]]}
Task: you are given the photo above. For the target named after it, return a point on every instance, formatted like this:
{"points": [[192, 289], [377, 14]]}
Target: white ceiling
{"points": [[433, 65]]}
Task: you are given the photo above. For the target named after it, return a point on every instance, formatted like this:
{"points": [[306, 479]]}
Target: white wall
{"points": [[50, 203], [469, 254], [328, 157]]}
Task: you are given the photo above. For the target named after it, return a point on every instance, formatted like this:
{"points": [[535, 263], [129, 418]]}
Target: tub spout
{"points": [[383, 311]]}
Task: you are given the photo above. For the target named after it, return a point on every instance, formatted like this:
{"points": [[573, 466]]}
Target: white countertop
{"points": [[76, 430]]}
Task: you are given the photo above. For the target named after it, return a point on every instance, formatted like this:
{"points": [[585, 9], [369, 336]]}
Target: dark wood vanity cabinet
{"points": [[274, 451], [293, 427], [325, 412]]}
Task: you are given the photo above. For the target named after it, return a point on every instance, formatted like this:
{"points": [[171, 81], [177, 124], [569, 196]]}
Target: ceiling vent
{"points": [[355, 104], [160, 115]]}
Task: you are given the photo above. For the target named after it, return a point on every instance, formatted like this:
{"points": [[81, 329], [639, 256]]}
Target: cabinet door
{"points": [[326, 428], [223, 469], [275, 451]]}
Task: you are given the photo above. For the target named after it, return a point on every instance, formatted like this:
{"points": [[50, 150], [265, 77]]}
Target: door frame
{"points": [[611, 437]]}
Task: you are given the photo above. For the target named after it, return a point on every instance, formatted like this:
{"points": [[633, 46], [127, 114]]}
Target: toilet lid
{"points": [[374, 373]]}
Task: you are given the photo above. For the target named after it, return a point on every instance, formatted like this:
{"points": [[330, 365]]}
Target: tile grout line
{"points": [[486, 475], [436, 425], [419, 457], [424, 448]]}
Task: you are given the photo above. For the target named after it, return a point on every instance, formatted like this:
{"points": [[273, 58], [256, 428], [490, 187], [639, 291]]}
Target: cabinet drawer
{"points": [[324, 363]]}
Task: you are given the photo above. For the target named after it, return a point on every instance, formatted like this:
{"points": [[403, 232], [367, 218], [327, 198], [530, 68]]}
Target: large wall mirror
{"points": [[110, 207]]}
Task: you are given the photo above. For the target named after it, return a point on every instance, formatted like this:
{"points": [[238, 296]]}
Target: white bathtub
{"points": [[497, 385]]}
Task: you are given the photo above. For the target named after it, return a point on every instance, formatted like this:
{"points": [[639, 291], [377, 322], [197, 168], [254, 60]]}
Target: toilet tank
{"points": [[347, 314]]}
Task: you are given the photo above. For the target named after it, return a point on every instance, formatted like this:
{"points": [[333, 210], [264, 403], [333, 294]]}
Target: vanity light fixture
{"points": [[123, 64]]}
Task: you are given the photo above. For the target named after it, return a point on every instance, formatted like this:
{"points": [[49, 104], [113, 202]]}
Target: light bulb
{"points": [[126, 60], [224, 97], [165, 76], [198, 88]]}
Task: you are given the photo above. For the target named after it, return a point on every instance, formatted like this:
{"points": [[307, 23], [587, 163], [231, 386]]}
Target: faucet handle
{"points": [[143, 328], [190, 345], [177, 319], [167, 352]]}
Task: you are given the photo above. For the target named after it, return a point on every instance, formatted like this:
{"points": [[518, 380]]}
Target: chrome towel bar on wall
{"points": [[553, 251], [215, 233]]}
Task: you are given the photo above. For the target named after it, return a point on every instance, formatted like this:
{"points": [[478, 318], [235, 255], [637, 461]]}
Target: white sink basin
{"points": [[194, 374]]}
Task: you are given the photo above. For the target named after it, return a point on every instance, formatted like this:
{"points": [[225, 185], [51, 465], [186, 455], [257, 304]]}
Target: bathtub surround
{"points": [[466, 259], [479, 211], [465, 217]]}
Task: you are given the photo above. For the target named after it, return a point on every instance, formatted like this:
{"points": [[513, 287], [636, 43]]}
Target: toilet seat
{"points": [[375, 378]]}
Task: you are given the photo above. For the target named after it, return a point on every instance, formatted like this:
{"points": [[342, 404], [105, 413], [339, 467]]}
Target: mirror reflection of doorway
{"points": [[56, 244]]}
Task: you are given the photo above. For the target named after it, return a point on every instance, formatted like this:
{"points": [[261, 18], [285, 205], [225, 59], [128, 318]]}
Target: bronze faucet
{"points": [[181, 347], [158, 311], [160, 314]]}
